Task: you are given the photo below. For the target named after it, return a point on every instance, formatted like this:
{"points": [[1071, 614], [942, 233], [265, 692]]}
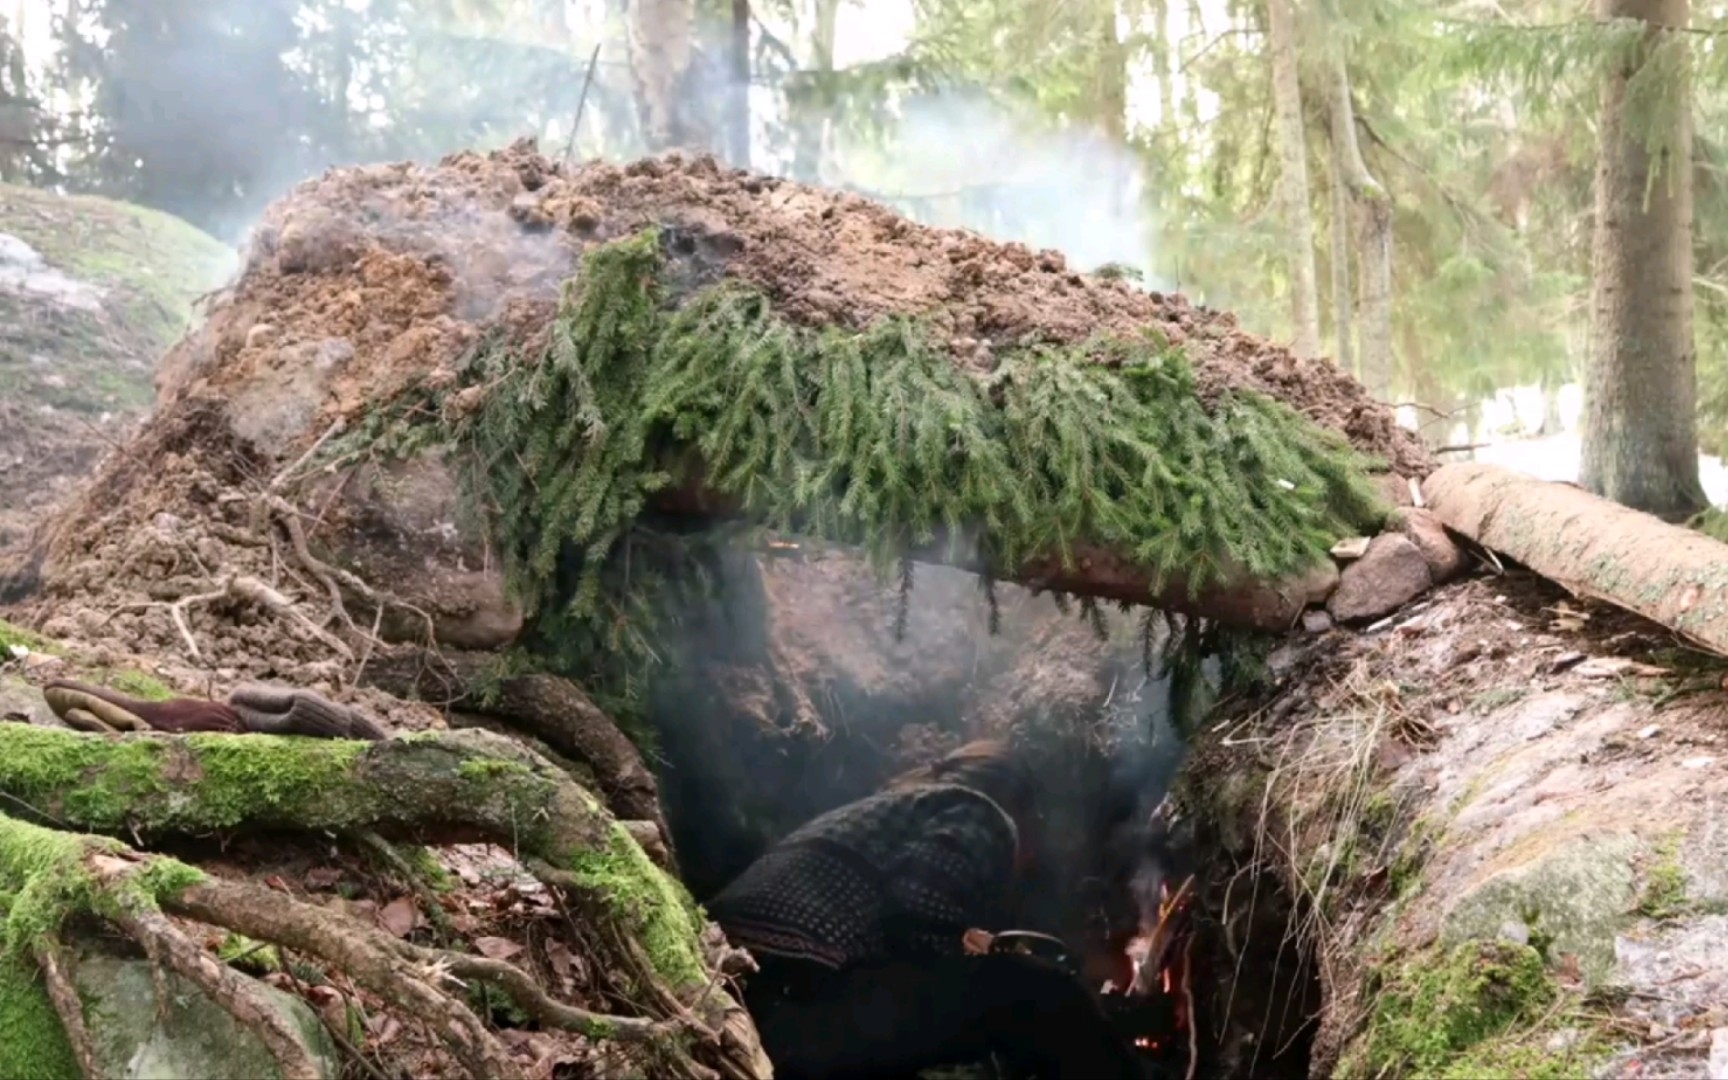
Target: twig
{"points": [[336, 427], [395, 860], [581, 102]]}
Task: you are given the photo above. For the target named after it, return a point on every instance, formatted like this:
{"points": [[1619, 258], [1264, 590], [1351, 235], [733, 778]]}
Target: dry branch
{"points": [[1596, 548]]}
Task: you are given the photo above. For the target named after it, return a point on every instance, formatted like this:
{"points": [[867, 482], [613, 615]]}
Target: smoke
{"points": [[961, 159]]}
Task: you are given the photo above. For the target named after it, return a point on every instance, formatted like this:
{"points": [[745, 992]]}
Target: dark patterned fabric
{"points": [[898, 874]]}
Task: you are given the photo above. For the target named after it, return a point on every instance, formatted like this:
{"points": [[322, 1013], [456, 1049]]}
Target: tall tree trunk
{"points": [[1640, 381], [807, 109], [1163, 66], [1111, 96], [1342, 301], [738, 115], [1374, 212], [660, 34], [1298, 218]]}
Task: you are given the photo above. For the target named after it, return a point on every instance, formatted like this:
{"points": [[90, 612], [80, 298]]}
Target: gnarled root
{"points": [[465, 786]]}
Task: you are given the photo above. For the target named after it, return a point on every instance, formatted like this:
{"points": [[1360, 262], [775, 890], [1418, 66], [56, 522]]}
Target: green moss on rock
{"points": [[1433, 1008]]}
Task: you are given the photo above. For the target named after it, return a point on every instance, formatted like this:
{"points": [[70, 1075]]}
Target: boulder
{"points": [[188, 1037], [1423, 528], [1391, 573]]}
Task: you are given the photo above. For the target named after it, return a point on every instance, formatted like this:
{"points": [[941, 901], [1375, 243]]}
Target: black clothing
{"points": [[894, 1018], [901, 873], [857, 920]]}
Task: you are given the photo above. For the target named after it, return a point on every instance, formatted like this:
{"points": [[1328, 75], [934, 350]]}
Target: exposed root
{"points": [[58, 969], [364, 954], [169, 946], [250, 589]]}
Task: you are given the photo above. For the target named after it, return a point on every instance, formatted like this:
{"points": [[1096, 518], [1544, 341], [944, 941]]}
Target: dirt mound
{"points": [[367, 279], [406, 263]]}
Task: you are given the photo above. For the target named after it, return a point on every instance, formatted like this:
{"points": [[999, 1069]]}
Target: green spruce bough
{"points": [[871, 438]]}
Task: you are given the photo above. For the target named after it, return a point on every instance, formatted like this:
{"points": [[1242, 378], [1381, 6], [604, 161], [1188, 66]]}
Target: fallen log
{"points": [[1596, 548]]}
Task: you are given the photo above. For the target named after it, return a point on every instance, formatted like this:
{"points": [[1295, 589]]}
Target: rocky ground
{"points": [[1500, 807]]}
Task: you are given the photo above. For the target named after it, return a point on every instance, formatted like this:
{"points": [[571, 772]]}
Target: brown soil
{"points": [[405, 262]]}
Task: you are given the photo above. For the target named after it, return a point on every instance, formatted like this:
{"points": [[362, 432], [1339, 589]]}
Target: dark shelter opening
{"points": [[806, 686]]}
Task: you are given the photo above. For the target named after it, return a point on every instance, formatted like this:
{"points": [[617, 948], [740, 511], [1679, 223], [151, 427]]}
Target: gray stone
{"points": [[21, 702], [1423, 527], [193, 1038], [1316, 621], [1390, 574], [1575, 893]]}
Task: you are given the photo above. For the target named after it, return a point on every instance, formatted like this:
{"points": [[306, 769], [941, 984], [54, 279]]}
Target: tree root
{"points": [[169, 946], [464, 786], [58, 969]]}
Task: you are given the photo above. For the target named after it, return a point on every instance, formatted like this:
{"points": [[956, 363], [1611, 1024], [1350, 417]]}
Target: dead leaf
{"points": [[564, 964], [323, 877], [497, 948], [400, 916]]}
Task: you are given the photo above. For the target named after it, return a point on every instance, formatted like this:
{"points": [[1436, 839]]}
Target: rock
{"points": [[1316, 621], [1719, 1053], [1395, 489], [1576, 893], [22, 702], [191, 1037], [1353, 548], [1391, 573], [1423, 527]]}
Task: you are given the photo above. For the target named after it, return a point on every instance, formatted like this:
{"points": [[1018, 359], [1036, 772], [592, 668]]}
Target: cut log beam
{"points": [[1596, 548], [1239, 600]]}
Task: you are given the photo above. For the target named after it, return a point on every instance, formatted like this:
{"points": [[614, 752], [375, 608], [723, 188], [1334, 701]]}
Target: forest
{"points": [[1407, 188]]}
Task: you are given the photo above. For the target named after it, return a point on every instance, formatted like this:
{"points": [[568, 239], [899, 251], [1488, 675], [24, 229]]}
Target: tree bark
{"points": [[1640, 438], [738, 115], [660, 35], [808, 108], [1342, 302], [1672, 575], [1374, 212], [549, 708], [1298, 218]]}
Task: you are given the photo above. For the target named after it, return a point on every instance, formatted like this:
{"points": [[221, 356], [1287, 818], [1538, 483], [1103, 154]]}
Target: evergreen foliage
{"points": [[872, 438]]}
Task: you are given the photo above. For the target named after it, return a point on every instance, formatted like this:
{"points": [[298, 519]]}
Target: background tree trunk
{"points": [[1342, 321], [660, 34], [1374, 212], [1298, 218], [807, 107], [738, 115], [1640, 438]]}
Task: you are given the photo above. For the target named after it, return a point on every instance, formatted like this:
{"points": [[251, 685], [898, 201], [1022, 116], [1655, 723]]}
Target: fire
{"points": [[1159, 960]]}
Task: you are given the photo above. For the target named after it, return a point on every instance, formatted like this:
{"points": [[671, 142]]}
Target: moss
{"points": [[1663, 895], [139, 685], [33, 1045], [11, 635], [257, 957], [425, 865], [296, 777], [98, 780], [101, 782], [1435, 1007], [656, 908], [154, 263]]}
